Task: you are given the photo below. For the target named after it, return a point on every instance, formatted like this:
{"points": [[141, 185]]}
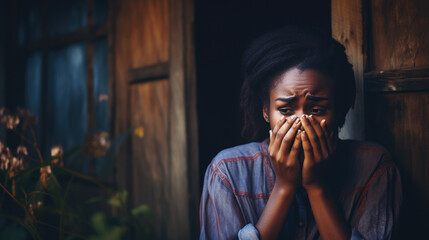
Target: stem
{"points": [[88, 178], [36, 147], [62, 207], [22, 136], [5, 183], [13, 197], [22, 222]]}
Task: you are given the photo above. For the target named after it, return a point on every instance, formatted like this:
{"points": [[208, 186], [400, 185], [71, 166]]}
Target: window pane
{"points": [[101, 86], [33, 87], [66, 118], [66, 16], [100, 11], [29, 21]]}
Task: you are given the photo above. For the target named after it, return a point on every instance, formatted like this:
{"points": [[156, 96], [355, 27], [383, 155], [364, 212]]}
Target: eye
{"points": [[286, 111], [318, 111]]}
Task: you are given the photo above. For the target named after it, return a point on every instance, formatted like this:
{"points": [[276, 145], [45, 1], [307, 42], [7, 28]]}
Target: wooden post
{"points": [[182, 120], [347, 28]]}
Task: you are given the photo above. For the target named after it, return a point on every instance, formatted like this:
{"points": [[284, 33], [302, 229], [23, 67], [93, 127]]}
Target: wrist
{"points": [[317, 191], [284, 189]]}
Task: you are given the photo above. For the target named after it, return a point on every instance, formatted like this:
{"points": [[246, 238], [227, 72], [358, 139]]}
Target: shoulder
{"points": [[242, 166], [365, 152], [240, 152], [361, 161]]}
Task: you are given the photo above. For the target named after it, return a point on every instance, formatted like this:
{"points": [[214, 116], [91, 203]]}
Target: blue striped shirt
{"points": [[238, 182]]}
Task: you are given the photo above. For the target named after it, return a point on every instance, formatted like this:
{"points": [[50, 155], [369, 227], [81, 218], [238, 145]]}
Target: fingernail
{"points": [[323, 123], [311, 117], [271, 133], [283, 116], [297, 122], [304, 118], [293, 117]]}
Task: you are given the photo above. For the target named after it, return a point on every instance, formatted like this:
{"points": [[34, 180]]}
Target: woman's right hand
{"points": [[284, 148]]}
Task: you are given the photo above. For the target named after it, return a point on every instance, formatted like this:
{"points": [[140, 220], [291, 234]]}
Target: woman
{"points": [[302, 182]]}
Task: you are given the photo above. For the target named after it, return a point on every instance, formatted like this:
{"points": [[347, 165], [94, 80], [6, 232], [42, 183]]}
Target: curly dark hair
{"points": [[286, 48]]}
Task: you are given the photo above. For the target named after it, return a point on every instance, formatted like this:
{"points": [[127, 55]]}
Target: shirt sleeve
{"points": [[380, 205], [220, 214]]}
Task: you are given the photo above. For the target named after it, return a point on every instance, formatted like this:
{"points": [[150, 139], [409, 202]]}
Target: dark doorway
{"points": [[223, 29]]}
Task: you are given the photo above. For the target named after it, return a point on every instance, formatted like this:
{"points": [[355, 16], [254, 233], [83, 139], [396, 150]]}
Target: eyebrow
{"points": [[316, 99], [309, 97], [286, 99]]}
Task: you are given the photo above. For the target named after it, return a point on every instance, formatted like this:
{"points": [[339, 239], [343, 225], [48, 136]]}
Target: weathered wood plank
{"points": [[142, 39], [400, 123], [192, 120], [179, 215], [347, 29], [151, 166], [398, 74], [399, 34], [149, 73], [401, 80]]}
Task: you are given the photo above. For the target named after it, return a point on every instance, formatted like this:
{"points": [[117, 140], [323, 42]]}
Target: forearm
{"points": [[329, 220], [275, 212]]}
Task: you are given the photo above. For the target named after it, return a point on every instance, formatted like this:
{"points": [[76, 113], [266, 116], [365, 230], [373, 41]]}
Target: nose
{"points": [[299, 114]]}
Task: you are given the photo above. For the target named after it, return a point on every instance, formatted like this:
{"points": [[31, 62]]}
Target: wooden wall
{"points": [[153, 86], [395, 62], [398, 98]]}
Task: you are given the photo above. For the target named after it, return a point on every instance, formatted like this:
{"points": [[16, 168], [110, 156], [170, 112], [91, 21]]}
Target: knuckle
{"points": [[295, 147], [289, 164], [286, 140], [279, 133]]}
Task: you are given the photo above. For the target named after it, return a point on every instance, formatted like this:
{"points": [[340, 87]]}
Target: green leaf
{"points": [[118, 199], [142, 209], [105, 231], [114, 201], [99, 222]]}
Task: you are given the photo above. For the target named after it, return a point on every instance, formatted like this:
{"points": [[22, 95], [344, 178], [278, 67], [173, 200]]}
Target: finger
{"points": [[312, 137], [290, 137], [321, 135], [308, 150], [281, 132], [296, 147], [272, 148], [327, 135]]}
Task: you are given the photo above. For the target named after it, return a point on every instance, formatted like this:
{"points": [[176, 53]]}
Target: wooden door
{"points": [[154, 88], [387, 42]]}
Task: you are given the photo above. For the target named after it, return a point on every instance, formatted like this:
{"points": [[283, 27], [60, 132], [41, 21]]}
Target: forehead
{"points": [[296, 82]]}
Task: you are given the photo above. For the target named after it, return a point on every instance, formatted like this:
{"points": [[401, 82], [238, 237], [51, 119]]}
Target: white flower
{"points": [[22, 150], [56, 151]]}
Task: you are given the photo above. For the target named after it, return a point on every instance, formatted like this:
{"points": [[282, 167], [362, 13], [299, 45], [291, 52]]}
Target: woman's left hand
{"points": [[317, 145]]}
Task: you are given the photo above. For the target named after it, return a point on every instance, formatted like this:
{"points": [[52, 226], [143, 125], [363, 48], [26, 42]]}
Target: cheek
{"points": [[274, 117]]}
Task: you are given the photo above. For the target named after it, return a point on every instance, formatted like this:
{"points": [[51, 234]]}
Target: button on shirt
{"points": [[238, 182]]}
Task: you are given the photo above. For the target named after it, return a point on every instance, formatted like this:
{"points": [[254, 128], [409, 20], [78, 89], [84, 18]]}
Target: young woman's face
{"points": [[297, 92]]}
